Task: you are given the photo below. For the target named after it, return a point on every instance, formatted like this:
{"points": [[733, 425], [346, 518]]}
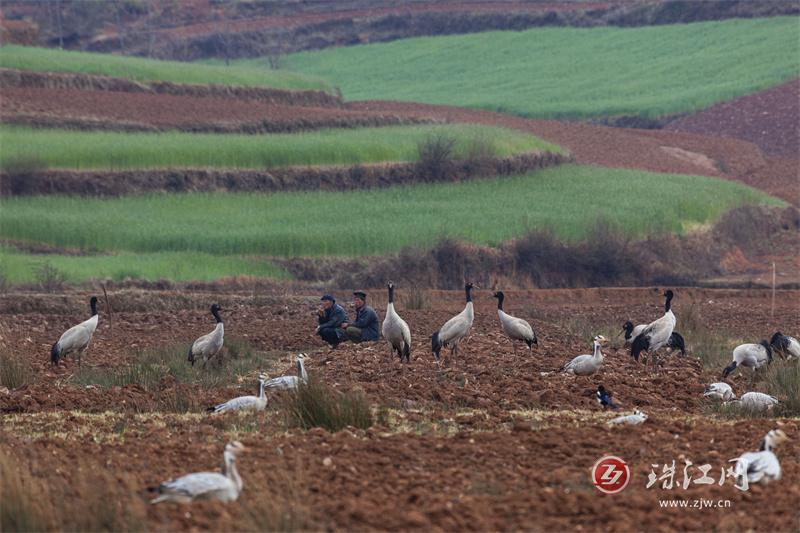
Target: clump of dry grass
{"points": [[315, 404], [14, 373], [87, 499]]}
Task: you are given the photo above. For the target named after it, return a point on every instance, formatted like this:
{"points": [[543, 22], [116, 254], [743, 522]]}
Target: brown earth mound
{"points": [[769, 119], [116, 183], [148, 111], [24, 79]]}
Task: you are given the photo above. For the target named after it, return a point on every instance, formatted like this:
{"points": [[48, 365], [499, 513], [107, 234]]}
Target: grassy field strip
{"points": [[569, 199], [109, 150], [19, 267], [569, 72], [145, 70]]}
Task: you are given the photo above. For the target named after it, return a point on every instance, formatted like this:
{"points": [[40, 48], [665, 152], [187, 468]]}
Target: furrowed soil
{"points": [[492, 440]]}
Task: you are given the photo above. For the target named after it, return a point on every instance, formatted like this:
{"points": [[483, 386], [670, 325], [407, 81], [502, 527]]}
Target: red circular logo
{"points": [[610, 474]]}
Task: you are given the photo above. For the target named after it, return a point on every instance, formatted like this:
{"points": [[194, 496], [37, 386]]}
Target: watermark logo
{"points": [[611, 474]]}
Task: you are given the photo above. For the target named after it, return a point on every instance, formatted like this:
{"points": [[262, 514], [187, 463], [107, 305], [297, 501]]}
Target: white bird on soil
{"points": [[756, 401], [455, 329], [657, 334], [785, 345], [395, 330], [719, 391], [750, 355], [77, 338], [210, 344], [224, 487], [245, 403], [761, 466], [291, 382], [585, 365], [516, 329], [638, 417]]}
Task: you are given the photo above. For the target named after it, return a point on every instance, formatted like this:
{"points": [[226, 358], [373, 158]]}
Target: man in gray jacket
{"points": [[366, 326], [331, 318]]}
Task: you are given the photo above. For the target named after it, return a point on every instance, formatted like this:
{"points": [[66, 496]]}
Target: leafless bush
{"points": [[50, 278], [435, 156], [416, 298], [21, 174], [315, 404]]}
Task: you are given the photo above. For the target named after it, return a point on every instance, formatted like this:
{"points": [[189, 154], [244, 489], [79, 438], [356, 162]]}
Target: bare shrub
{"points": [[22, 173], [19, 495], [49, 278], [14, 373], [435, 157], [4, 283], [315, 404]]}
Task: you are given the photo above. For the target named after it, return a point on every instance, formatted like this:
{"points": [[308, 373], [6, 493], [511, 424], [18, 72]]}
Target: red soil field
{"points": [[770, 119], [494, 441]]}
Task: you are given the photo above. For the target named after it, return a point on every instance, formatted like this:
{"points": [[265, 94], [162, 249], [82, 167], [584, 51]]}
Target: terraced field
{"points": [[567, 72]]}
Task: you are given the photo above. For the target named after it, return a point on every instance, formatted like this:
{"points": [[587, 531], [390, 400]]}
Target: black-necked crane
{"points": [[77, 338], [516, 329], [455, 329], [395, 330], [209, 345], [657, 334]]}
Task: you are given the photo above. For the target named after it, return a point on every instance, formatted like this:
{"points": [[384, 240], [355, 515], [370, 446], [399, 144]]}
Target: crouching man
{"points": [[331, 318], [365, 327]]}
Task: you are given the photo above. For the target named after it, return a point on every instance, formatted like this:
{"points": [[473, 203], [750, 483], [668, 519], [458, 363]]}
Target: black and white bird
{"points": [[209, 345], [604, 398], [631, 331], [638, 417], [77, 338], [657, 334], [749, 355], [761, 466], [719, 391], [786, 346], [395, 330], [455, 329], [676, 340], [224, 487], [516, 329], [291, 382], [244, 403], [586, 365]]}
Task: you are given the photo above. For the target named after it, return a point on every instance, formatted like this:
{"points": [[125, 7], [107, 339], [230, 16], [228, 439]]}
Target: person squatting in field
{"points": [[333, 325]]}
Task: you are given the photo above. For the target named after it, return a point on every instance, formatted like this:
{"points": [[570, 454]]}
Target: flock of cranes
{"points": [[758, 466]]}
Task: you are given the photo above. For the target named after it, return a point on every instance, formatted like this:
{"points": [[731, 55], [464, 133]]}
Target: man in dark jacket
{"points": [[331, 317], [366, 326]]}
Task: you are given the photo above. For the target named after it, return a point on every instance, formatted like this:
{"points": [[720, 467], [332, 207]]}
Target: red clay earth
{"points": [[147, 111], [770, 119], [485, 467]]}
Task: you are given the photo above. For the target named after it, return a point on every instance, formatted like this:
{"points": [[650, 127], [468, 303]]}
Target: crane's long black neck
{"points": [[93, 304], [500, 298], [628, 329], [765, 447], [668, 303], [391, 294], [468, 290], [216, 316]]}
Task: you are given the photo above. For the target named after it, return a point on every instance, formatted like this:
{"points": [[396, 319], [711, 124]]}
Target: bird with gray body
{"points": [[719, 391], [756, 401], [516, 329], [786, 346], [638, 417], [585, 365], [291, 382], [77, 338], [657, 334], [752, 356], [761, 466], [245, 403], [224, 487], [395, 330], [209, 345], [455, 329]]}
